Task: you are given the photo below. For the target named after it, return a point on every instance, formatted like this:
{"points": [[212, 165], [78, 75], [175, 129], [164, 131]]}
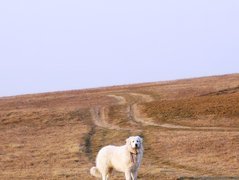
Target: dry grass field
{"points": [[190, 129]]}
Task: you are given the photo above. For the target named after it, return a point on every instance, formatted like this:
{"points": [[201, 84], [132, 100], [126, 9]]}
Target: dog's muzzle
{"points": [[137, 146]]}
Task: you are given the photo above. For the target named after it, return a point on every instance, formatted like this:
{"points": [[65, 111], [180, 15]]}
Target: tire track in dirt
{"points": [[99, 117], [121, 100], [145, 121]]}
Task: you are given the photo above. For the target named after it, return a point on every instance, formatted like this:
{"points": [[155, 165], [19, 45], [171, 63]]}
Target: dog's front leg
{"points": [[104, 177], [128, 175], [134, 175]]}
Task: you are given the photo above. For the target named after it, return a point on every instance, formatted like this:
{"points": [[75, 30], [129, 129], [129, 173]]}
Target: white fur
{"points": [[126, 159]]}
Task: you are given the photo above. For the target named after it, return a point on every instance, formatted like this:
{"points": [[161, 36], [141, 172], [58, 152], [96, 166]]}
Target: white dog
{"points": [[126, 158]]}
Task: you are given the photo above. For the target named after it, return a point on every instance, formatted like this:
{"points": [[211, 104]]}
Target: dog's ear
{"points": [[128, 141], [141, 139]]}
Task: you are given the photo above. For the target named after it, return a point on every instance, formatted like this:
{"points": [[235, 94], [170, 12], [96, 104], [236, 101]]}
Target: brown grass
{"points": [[57, 135], [215, 110]]}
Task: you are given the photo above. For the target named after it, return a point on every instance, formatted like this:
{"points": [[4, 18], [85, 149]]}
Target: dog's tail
{"points": [[95, 172]]}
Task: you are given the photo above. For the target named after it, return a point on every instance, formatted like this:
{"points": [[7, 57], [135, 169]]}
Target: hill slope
{"points": [[190, 128]]}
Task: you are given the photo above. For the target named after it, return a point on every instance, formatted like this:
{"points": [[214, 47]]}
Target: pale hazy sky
{"points": [[51, 45]]}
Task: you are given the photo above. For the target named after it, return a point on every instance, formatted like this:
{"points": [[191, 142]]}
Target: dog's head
{"points": [[134, 143]]}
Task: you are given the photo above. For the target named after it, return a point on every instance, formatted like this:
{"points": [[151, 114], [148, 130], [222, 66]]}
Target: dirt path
{"points": [[99, 117], [121, 99], [135, 115]]}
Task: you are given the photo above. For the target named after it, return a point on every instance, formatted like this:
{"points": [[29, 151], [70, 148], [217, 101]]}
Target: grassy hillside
{"points": [[190, 128]]}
